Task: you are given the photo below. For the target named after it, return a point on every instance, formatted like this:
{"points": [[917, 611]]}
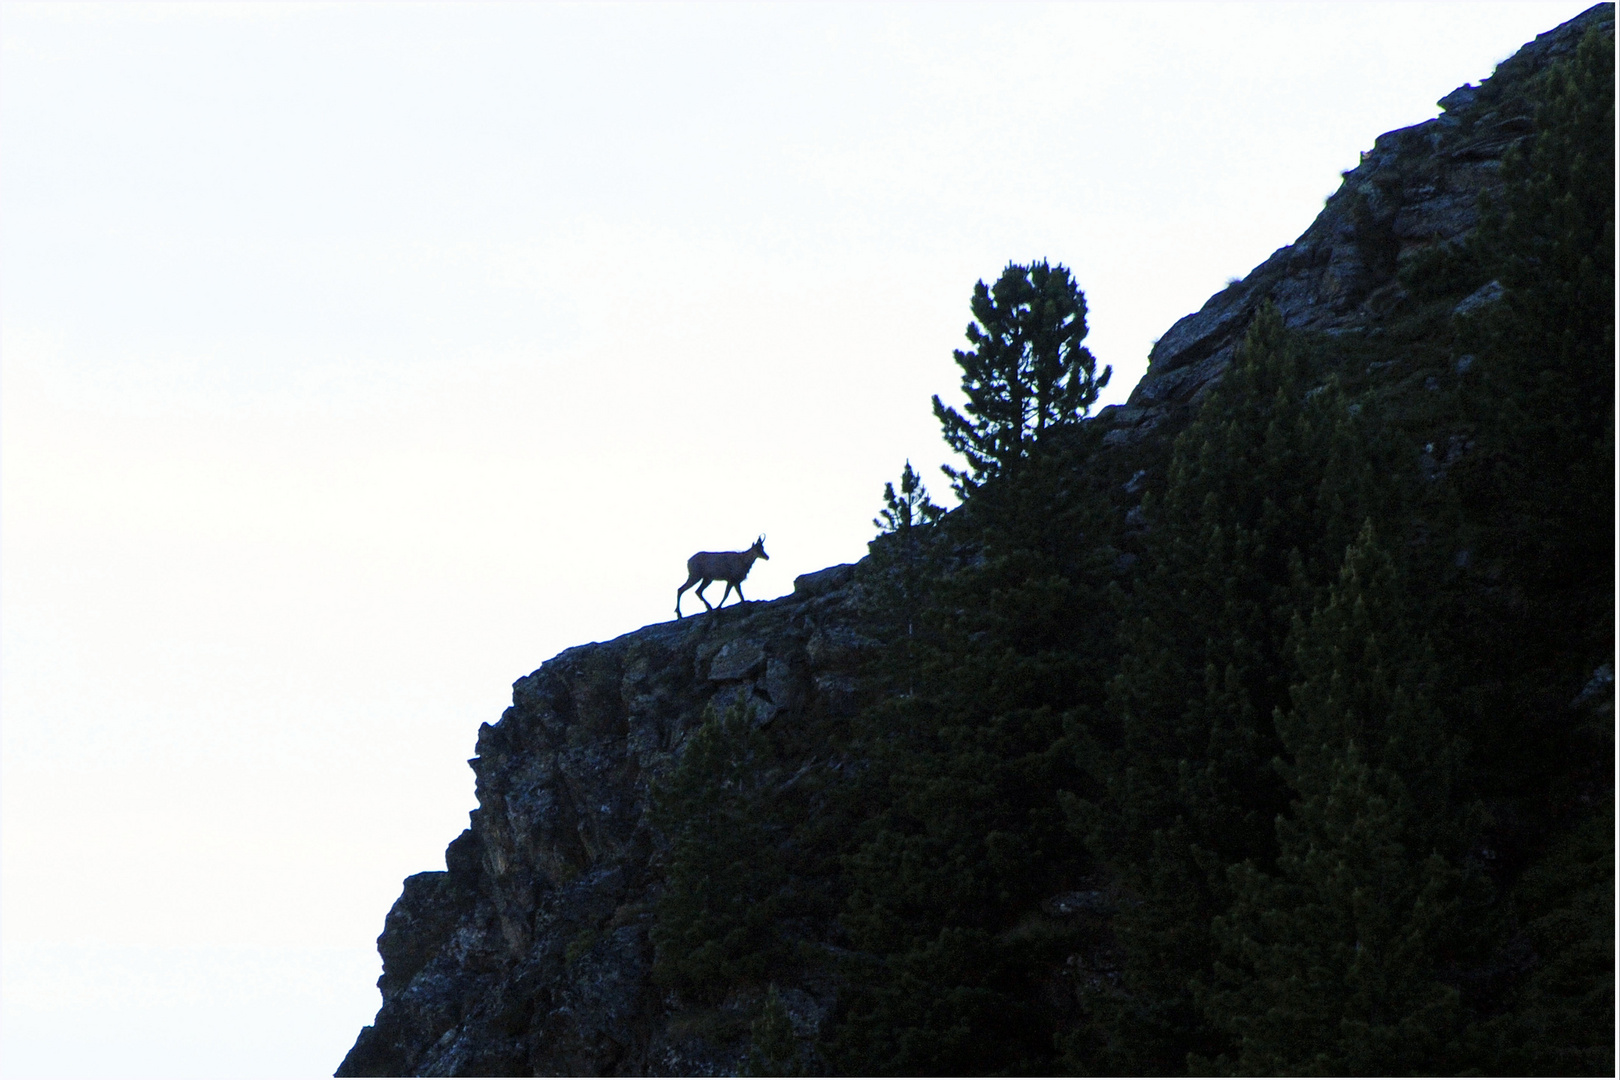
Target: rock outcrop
{"points": [[1417, 187], [530, 953]]}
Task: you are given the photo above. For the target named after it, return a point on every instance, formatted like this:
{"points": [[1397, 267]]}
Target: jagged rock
{"points": [[529, 954], [737, 660], [1461, 97], [833, 577], [1417, 187], [1487, 294]]}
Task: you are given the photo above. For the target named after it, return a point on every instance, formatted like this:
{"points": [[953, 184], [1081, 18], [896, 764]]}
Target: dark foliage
{"points": [[961, 830], [910, 508], [1304, 768], [1261, 489], [1027, 371], [720, 918]]}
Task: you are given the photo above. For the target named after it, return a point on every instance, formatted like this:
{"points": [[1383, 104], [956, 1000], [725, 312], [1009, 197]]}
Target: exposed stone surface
{"points": [[1417, 187], [1488, 293], [529, 954]]}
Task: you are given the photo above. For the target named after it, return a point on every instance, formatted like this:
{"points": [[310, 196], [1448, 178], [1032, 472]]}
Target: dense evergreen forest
{"points": [[1303, 765]]}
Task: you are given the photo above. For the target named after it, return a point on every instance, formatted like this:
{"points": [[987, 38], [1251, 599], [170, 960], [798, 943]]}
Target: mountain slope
{"points": [[1048, 786]]}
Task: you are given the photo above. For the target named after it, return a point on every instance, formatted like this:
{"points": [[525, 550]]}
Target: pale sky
{"points": [[354, 360]]}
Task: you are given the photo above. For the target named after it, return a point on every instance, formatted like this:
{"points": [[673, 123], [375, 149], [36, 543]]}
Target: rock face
{"points": [[1417, 187], [529, 954]]}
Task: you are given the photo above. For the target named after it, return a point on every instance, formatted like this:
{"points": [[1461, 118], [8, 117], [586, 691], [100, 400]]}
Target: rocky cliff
{"points": [[1417, 187], [530, 953]]}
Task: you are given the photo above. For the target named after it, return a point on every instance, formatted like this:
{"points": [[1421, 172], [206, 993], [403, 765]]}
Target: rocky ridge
{"points": [[1417, 187], [530, 953]]}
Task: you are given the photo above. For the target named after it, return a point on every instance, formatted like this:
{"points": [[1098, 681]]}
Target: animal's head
{"points": [[759, 548]]}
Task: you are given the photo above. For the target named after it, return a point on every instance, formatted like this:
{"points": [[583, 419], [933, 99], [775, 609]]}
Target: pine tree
{"points": [[1257, 489], [1537, 491], [962, 836], [719, 920], [1026, 373], [961, 832], [1537, 500], [1560, 1021], [1332, 963], [897, 569], [773, 1046], [911, 507]]}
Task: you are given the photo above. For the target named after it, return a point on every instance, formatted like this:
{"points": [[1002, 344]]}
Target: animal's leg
{"points": [[741, 599], [706, 583], [728, 593], [680, 590]]}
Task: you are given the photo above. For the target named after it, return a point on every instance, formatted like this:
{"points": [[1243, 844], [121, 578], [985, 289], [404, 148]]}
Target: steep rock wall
{"points": [[528, 954], [1417, 187]]}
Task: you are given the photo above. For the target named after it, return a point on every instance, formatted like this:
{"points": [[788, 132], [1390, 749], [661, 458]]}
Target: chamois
{"points": [[728, 566]]}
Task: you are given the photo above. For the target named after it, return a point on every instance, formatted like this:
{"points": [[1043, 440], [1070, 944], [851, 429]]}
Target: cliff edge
{"points": [[529, 954]]}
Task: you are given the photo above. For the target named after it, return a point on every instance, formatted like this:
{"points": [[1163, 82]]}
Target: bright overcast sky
{"points": [[355, 360]]}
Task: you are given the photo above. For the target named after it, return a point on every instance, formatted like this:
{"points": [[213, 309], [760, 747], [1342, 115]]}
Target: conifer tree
{"points": [[1332, 964], [773, 1048], [1537, 490], [1560, 1022], [1237, 545], [911, 507], [897, 560], [963, 834], [719, 918], [1537, 506], [1026, 372]]}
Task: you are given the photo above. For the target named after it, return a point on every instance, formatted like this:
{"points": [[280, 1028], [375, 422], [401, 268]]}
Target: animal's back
{"points": [[711, 564]]}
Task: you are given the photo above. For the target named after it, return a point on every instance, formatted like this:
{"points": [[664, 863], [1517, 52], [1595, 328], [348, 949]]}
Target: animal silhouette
{"points": [[728, 566]]}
